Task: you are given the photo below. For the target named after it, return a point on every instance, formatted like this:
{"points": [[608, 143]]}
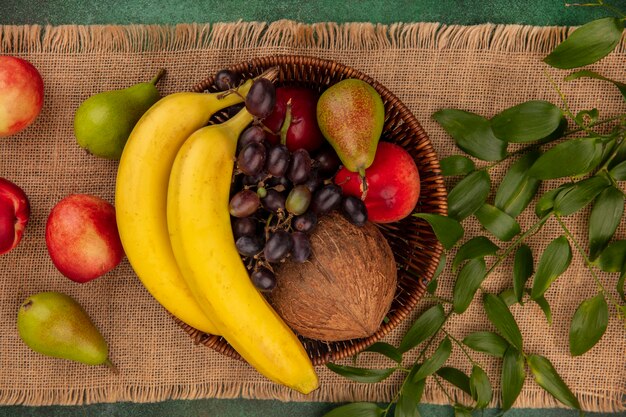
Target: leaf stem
{"points": [[460, 345], [445, 391], [566, 108], [599, 122], [587, 262]]}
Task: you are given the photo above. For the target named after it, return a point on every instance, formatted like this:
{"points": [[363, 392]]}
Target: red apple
{"points": [[393, 184], [14, 214], [82, 237], [21, 94], [303, 131]]}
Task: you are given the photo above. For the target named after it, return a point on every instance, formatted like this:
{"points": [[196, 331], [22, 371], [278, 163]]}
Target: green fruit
{"points": [[351, 116], [54, 324], [104, 121]]}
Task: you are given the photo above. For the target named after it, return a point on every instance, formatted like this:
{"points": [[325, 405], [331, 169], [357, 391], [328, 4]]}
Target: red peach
{"points": [[14, 214], [82, 237], [21, 94], [393, 184]]}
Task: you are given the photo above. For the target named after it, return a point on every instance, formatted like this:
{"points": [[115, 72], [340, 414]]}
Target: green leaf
{"points": [[508, 296], [557, 134], [472, 133], [545, 307], [410, 396], [468, 195], [467, 283], [436, 361], [432, 285], [620, 285], [517, 189], [513, 377], [387, 350], [487, 342], [545, 204], [527, 122], [425, 326], [587, 117], [477, 247], [588, 324], [570, 158], [580, 195], [613, 257], [447, 230], [554, 261], [547, 378], [618, 172], [500, 224], [356, 410], [591, 74], [500, 316], [480, 387], [522, 270], [587, 44], [361, 374], [605, 217], [456, 165], [456, 377]]}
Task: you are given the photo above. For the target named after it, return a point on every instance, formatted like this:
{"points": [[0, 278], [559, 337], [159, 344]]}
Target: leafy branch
{"points": [[592, 166]]}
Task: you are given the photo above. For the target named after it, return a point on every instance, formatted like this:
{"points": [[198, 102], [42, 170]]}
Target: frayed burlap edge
{"points": [[284, 33]]}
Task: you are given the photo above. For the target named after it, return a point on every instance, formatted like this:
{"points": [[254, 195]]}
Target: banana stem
{"points": [[157, 77]]}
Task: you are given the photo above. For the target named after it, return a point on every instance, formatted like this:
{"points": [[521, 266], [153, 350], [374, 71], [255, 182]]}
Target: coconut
{"points": [[345, 289]]}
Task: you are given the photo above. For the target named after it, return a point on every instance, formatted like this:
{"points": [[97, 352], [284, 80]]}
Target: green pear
{"points": [[54, 324], [103, 122], [351, 116]]}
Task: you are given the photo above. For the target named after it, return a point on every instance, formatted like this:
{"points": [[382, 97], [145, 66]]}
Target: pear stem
{"points": [[112, 366], [286, 123], [157, 77], [363, 183]]}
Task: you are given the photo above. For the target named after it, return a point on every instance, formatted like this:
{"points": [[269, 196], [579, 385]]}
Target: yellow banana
{"points": [[141, 196], [204, 247]]}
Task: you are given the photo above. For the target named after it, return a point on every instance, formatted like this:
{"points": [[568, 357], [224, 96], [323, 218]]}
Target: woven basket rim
{"points": [[440, 199]]}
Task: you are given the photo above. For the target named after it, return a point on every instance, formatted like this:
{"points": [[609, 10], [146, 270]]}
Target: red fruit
{"points": [[14, 214], [82, 237], [393, 184], [21, 94], [303, 130]]}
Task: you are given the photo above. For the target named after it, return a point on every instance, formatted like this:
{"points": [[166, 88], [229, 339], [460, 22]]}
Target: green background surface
{"points": [[57, 12]]}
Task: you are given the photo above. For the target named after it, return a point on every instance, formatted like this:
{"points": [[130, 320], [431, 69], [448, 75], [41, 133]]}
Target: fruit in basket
{"points": [[21, 94], [202, 240], [346, 288], [294, 119], [82, 237], [54, 324], [103, 122], [393, 184], [14, 215], [141, 195], [351, 116]]}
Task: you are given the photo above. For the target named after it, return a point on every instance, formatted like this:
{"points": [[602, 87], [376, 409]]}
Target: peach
{"points": [[21, 94], [14, 214], [82, 237]]}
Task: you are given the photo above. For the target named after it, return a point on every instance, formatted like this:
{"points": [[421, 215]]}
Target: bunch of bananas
{"points": [[171, 198]]}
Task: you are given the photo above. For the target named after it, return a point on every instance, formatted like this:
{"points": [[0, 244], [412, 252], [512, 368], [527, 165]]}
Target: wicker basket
{"points": [[416, 249]]}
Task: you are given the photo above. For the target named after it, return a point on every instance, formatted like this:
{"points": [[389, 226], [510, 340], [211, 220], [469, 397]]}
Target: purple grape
{"points": [[301, 250], [274, 201], [278, 160], [327, 161], [251, 159], [226, 79], [244, 203], [305, 222], [263, 279], [278, 246], [327, 199], [315, 181], [261, 98], [354, 210], [300, 167], [246, 226], [252, 134], [249, 245]]}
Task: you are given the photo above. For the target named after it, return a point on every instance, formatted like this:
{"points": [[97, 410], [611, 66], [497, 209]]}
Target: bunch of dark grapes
{"points": [[278, 196]]}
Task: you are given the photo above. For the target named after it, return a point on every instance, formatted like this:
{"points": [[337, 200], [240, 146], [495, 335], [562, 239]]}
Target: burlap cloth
{"points": [[428, 66]]}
